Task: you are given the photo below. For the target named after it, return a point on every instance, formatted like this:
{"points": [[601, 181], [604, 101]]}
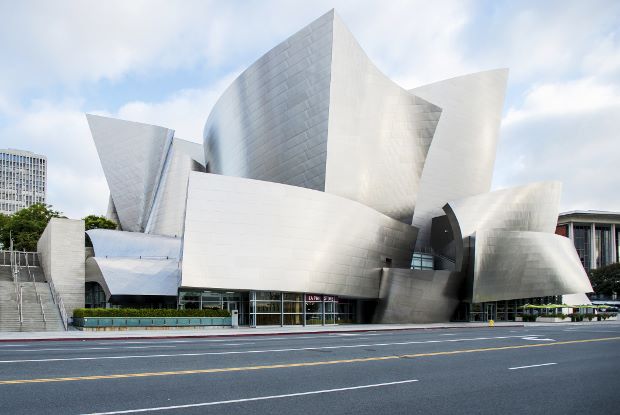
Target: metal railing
{"points": [[61, 305], [10, 257], [16, 283], [36, 292]]}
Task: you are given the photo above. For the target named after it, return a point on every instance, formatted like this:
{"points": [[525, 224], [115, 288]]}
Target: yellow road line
{"points": [[302, 364]]}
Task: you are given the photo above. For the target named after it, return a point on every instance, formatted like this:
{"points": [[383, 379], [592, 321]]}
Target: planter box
{"points": [[150, 322]]}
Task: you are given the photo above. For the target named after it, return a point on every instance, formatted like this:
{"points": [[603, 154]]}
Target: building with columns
{"points": [[595, 234]]}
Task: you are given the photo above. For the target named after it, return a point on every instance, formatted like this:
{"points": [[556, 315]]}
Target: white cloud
{"points": [[566, 132], [76, 184], [185, 111], [564, 99]]}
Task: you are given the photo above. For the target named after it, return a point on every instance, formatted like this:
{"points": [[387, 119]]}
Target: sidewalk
{"points": [[74, 335]]}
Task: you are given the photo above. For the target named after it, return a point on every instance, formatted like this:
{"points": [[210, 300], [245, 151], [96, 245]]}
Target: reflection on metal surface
{"points": [[131, 157], [131, 276], [315, 112], [110, 243], [513, 264], [168, 213], [461, 158], [249, 234], [533, 207], [417, 296]]}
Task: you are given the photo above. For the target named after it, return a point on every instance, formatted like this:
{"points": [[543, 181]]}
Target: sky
{"points": [[167, 62]]}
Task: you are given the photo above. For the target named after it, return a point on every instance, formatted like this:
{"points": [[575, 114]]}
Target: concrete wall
{"points": [[417, 296], [61, 252]]}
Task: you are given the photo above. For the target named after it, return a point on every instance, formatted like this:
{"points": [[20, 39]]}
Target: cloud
{"points": [[185, 112], [565, 132], [564, 99], [76, 184]]}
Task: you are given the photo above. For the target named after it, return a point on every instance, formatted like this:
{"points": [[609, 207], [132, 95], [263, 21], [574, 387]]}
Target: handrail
{"points": [[36, 292], [61, 305], [18, 286]]}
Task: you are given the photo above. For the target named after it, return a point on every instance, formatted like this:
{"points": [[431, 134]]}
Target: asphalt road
{"points": [[537, 370]]}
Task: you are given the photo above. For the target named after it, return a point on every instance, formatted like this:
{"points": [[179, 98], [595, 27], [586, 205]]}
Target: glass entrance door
{"points": [[490, 311]]}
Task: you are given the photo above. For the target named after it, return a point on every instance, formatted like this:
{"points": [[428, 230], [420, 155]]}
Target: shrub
{"points": [[529, 317], [553, 315], [148, 312]]}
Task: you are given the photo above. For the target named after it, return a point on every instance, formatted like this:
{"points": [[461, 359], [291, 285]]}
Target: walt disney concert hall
{"points": [[325, 193]]}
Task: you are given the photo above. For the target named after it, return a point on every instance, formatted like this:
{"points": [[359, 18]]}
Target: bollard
{"points": [[235, 319], [491, 323]]}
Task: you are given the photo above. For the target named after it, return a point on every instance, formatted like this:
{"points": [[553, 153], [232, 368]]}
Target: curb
{"points": [[202, 336]]}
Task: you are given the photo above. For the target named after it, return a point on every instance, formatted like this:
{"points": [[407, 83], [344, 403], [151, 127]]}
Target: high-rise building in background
{"points": [[23, 180]]}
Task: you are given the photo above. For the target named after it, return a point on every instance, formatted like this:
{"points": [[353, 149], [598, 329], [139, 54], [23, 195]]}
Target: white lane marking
{"points": [[348, 346], [526, 367], [259, 398], [75, 349], [536, 338], [448, 334]]}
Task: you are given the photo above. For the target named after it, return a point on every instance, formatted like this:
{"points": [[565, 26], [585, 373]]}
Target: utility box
{"points": [[235, 318]]}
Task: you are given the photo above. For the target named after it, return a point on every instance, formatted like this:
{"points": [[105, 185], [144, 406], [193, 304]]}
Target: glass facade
{"points": [[223, 300], [602, 245], [274, 308], [500, 310], [582, 243], [421, 260]]}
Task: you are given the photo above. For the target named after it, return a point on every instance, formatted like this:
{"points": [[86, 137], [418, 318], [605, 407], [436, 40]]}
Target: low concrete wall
{"points": [[417, 296], [61, 253]]}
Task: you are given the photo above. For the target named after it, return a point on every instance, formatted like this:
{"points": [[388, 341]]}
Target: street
{"points": [[534, 370]]}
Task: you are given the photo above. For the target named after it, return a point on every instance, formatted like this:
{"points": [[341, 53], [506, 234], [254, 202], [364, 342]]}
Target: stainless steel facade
{"points": [[460, 161], [249, 234], [131, 157], [315, 112], [515, 264], [410, 295], [134, 276], [533, 207], [109, 244], [314, 166]]}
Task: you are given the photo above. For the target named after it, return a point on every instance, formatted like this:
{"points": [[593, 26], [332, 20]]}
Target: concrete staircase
{"points": [[31, 310]]}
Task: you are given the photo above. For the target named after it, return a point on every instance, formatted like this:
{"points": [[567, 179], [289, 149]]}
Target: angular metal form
{"points": [[460, 161], [132, 276], [168, 213], [513, 264], [110, 244], [131, 154], [250, 234], [409, 295], [315, 112], [533, 207]]}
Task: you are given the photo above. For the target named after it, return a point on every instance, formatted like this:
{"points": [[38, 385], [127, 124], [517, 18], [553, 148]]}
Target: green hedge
{"points": [[148, 312]]}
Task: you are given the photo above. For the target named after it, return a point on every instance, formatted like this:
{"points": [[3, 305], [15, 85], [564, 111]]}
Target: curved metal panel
{"points": [[379, 134], [254, 235], [512, 264], [132, 156], [271, 123], [109, 243], [131, 276], [168, 213], [315, 112], [417, 296], [461, 158], [533, 207]]}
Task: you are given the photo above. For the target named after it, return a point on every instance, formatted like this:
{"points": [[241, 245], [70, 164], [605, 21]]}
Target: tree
{"points": [[26, 226], [606, 280], [98, 222]]}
